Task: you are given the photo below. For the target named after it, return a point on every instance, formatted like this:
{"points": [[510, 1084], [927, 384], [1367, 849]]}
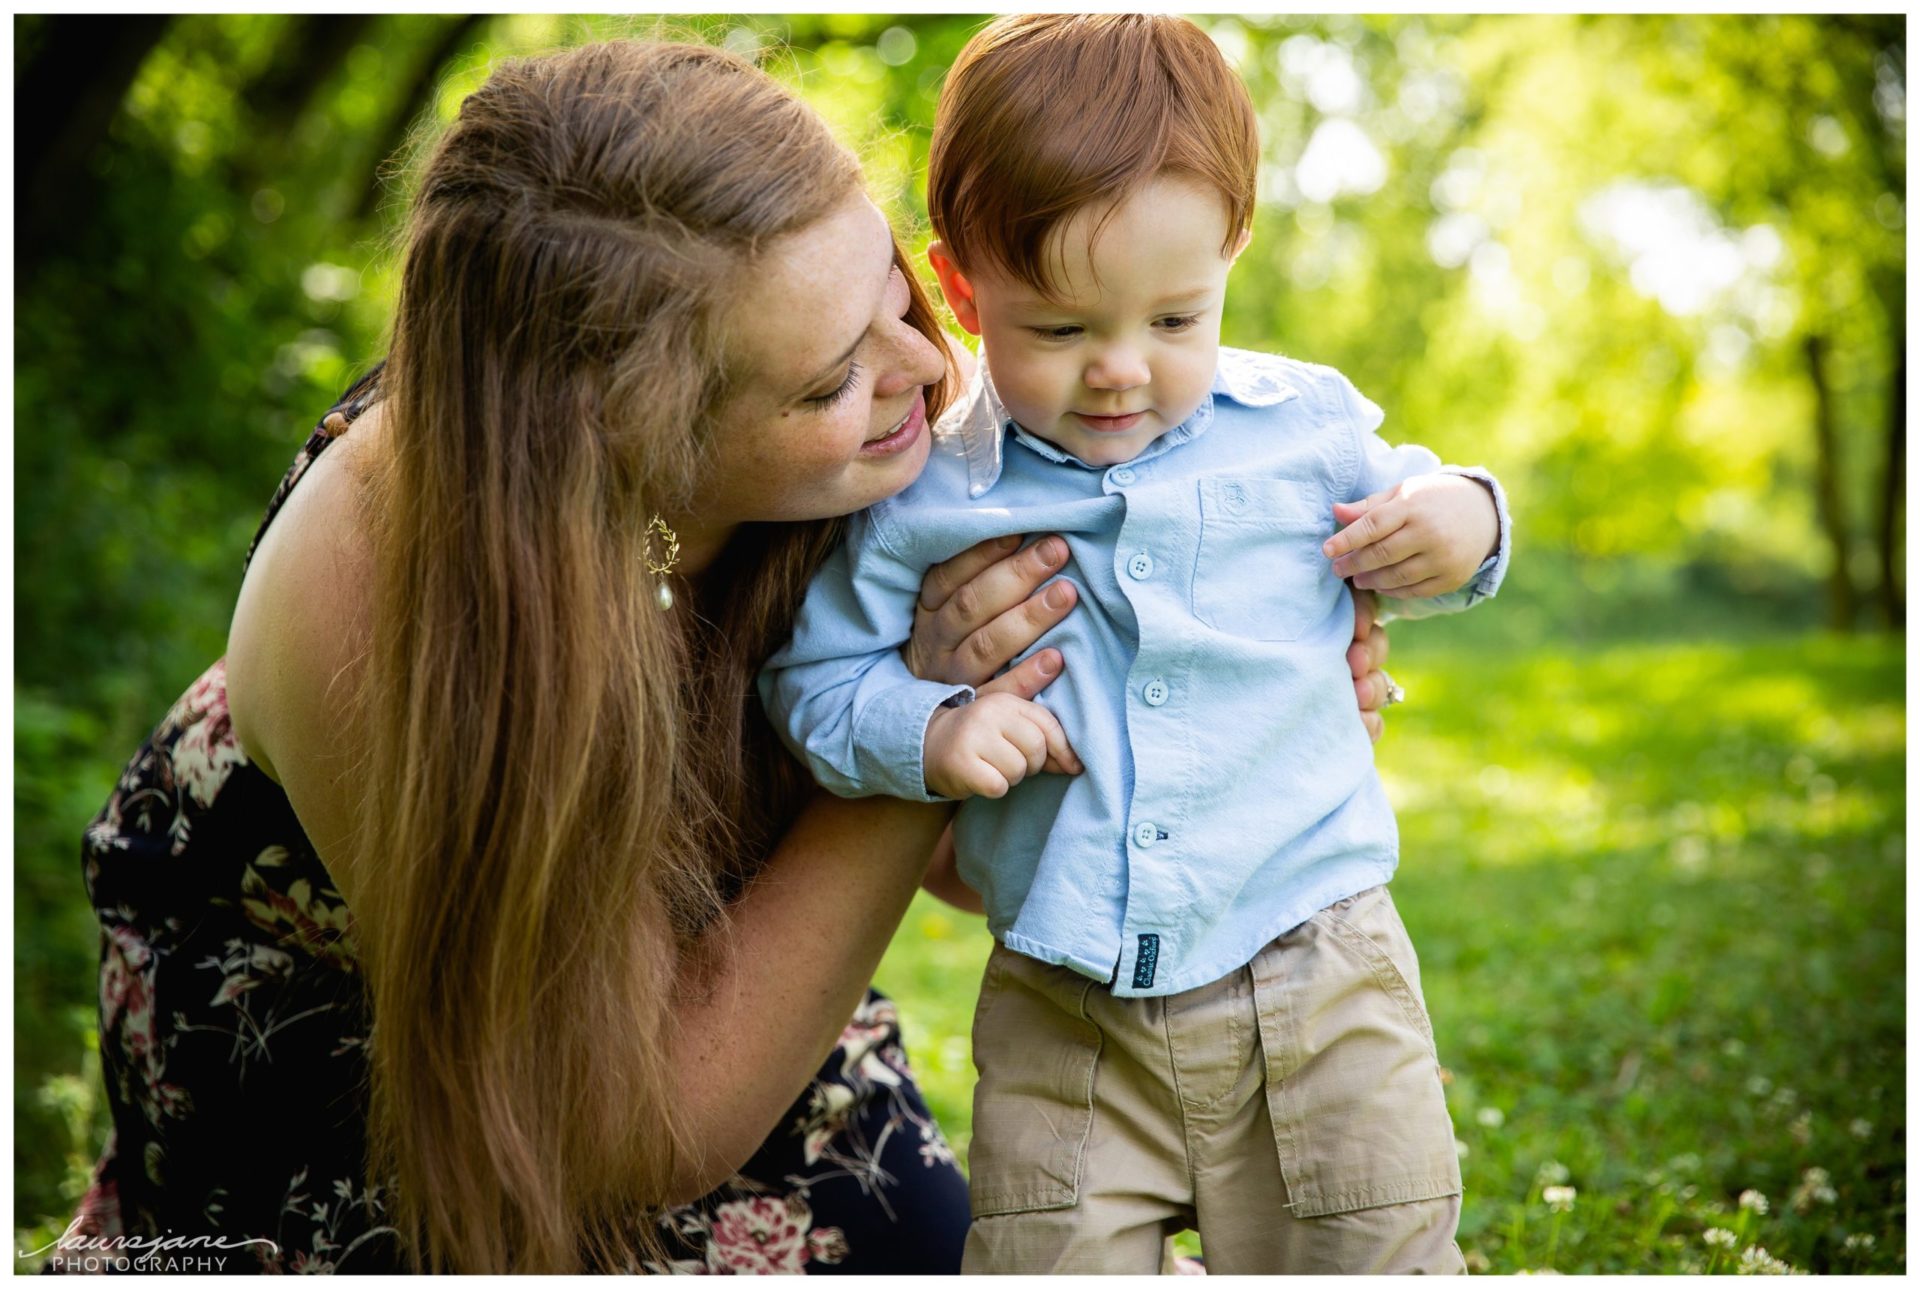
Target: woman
{"points": [[489, 687]]}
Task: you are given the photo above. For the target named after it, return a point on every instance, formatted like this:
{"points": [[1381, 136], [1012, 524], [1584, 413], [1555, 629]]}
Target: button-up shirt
{"points": [[1229, 790]]}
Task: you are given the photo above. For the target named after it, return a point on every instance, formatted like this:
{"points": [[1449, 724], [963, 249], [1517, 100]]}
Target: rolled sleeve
{"points": [[839, 694]]}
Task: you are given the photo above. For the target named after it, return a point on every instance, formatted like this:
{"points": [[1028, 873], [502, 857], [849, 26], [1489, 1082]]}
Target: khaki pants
{"points": [[1292, 1113]]}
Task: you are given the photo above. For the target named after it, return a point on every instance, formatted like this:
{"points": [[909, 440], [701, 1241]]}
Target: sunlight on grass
{"points": [[1658, 892]]}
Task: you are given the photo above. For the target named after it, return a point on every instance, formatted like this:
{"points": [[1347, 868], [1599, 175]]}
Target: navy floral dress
{"points": [[233, 1037]]}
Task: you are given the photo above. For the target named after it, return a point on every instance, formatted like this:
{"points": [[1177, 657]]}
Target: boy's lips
{"points": [[902, 435], [1110, 424]]}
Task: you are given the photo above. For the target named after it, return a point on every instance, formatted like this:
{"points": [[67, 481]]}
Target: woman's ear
{"points": [[954, 285], [1246, 236]]}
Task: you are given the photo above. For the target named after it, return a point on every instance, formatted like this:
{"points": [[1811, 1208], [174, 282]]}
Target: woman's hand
{"points": [[981, 608], [1365, 658]]}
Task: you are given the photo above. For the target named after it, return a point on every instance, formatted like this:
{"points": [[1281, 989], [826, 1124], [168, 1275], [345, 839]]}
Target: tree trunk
{"points": [[309, 50], [451, 39], [1840, 594], [1893, 609], [64, 102]]}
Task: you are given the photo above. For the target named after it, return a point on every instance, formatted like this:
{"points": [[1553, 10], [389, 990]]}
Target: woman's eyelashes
{"points": [[821, 402]]}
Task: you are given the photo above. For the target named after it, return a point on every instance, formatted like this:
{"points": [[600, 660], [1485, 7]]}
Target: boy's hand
{"points": [[987, 746], [1420, 538]]}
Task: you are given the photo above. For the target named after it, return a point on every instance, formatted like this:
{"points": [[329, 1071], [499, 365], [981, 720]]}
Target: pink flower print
{"points": [[827, 1244], [827, 1109], [205, 753], [759, 1237]]}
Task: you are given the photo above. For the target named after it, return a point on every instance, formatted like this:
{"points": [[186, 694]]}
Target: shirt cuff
{"points": [[1492, 572], [891, 733]]}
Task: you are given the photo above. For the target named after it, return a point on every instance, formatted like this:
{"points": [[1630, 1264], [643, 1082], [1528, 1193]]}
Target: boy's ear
{"points": [[954, 285]]}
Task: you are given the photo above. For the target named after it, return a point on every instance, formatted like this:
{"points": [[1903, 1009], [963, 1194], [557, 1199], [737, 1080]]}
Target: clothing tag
{"points": [[1148, 959]]}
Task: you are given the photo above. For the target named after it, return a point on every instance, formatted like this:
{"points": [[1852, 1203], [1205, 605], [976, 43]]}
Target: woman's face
{"points": [[830, 416]]}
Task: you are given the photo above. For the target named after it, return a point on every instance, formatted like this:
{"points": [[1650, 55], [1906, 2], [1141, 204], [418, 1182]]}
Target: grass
{"points": [[1658, 891]]}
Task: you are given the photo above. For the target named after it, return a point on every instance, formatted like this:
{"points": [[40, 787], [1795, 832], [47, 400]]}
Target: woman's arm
{"points": [[764, 1002]]}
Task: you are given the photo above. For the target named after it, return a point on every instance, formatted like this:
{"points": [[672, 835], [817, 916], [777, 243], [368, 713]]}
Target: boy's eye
{"points": [[1067, 332], [821, 402], [1180, 323]]}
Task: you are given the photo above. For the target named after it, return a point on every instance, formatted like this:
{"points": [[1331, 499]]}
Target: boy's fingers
{"points": [[985, 781], [1347, 513], [1031, 742], [1369, 528], [1397, 575], [1060, 753], [1029, 678], [1392, 548], [1431, 586], [1005, 756]]}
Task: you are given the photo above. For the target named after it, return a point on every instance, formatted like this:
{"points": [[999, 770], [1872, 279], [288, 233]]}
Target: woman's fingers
{"points": [[1029, 678], [1370, 691], [1375, 725], [987, 614], [969, 602], [944, 579]]}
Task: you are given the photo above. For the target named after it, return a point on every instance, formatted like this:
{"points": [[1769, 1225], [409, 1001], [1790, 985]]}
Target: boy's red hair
{"points": [[1044, 114]]}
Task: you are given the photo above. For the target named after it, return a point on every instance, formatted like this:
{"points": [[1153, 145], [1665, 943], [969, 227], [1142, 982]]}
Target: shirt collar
{"points": [[979, 423]]}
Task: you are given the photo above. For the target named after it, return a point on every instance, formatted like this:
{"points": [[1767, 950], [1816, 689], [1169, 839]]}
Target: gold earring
{"points": [[672, 543]]}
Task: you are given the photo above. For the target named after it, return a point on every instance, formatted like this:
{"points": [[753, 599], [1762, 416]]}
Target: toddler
{"points": [[1202, 1010]]}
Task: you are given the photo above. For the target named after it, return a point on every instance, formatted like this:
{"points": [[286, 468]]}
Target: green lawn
{"points": [[1659, 896]]}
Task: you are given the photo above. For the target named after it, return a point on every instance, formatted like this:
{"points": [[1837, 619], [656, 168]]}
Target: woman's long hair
{"points": [[565, 785]]}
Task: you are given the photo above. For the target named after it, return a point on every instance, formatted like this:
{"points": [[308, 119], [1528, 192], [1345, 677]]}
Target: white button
{"points": [[1144, 835], [1140, 567], [1155, 693], [1122, 476]]}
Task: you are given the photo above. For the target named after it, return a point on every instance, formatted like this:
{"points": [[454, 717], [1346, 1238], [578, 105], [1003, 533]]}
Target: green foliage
{"points": [[221, 268], [1657, 892]]}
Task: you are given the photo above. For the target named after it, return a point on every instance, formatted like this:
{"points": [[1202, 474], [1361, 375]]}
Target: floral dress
{"points": [[233, 1038]]}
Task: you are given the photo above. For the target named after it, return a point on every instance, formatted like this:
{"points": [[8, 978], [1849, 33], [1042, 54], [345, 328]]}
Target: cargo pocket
{"points": [[1036, 1053], [1259, 573], [1353, 1085]]}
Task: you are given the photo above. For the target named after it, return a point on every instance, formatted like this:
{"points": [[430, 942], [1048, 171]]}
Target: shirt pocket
{"points": [[1259, 572]]}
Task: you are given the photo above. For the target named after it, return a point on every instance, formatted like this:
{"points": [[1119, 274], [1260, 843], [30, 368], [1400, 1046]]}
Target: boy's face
{"points": [[1129, 350]]}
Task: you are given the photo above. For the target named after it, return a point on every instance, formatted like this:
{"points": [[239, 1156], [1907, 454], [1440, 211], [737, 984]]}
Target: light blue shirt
{"points": [[1229, 790]]}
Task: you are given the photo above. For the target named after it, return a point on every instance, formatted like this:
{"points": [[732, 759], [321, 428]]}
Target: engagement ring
{"points": [[1395, 694]]}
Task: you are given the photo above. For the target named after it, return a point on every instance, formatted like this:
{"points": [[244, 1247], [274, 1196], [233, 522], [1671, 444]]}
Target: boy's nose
{"points": [[1117, 369]]}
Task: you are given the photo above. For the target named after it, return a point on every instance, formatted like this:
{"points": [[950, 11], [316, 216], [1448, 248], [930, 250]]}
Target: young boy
{"points": [[1202, 1010]]}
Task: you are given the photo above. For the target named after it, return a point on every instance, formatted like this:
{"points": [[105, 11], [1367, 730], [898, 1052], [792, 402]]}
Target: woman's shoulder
{"points": [[300, 626]]}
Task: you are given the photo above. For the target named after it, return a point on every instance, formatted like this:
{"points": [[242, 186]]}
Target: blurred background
{"points": [[1650, 270]]}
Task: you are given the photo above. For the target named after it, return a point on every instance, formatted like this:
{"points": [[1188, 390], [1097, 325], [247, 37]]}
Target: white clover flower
{"points": [[1759, 1085], [1489, 1116], [1719, 1237], [1559, 1198], [1802, 1128], [1861, 1128], [1859, 1242], [1816, 1187], [1552, 1173], [1754, 1202], [1756, 1261]]}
